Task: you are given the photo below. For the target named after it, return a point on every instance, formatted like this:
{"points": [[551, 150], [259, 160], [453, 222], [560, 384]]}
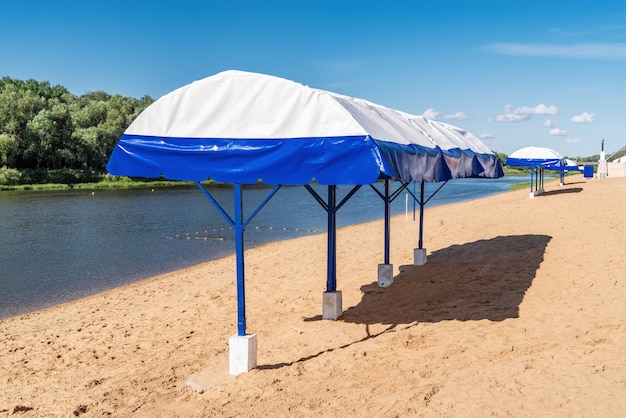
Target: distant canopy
{"points": [[537, 157], [239, 127]]}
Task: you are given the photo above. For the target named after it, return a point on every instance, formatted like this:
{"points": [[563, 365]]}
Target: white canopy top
{"points": [[536, 153], [238, 127]]}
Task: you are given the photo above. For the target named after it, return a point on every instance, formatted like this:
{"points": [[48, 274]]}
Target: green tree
{"points": [[17, 107], [501, 157], [47, 134], [8, 150], [45, 127]]}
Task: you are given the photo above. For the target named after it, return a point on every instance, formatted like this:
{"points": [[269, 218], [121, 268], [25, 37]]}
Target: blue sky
{"points": [[525, 73]]}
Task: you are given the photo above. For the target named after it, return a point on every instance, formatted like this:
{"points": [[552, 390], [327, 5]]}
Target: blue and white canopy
{"points": [[239, 127], [546, 158], [571, 165]]}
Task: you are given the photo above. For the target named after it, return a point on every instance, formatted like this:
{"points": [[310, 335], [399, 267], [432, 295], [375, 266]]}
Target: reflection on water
{"points": [[62, 245]]}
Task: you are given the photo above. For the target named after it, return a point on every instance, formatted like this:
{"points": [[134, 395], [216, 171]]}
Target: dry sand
{"points": [[520, 311]]}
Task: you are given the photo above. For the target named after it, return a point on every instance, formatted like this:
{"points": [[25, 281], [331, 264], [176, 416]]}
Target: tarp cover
{"points": [[536, 157], [239, 127], [571, 165]]}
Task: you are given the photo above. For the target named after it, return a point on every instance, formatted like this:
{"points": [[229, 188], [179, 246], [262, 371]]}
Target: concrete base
{"points": [[532, 195], [241, 353], [419, 256], [332, 308], [385, 275], [603, 169]]}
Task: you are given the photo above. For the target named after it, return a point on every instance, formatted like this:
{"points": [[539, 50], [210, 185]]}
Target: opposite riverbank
{"points": [[519, 311]]}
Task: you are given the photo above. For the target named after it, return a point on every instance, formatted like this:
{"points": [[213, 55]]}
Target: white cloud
{"points": [[548, 123], [431, 113], [509, 116], [585, 50], [486, 136], [457, 116], [540, 109], [572, 141], [584, 118], [525, 112], [558, 132]]}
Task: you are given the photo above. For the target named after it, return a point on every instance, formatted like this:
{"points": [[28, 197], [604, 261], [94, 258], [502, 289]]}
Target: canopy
{"points": [[536, 157], [239, 127]]}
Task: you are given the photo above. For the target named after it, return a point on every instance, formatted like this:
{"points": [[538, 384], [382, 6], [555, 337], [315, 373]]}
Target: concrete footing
{"points": [[536, 193], [332, 307], [603, 169], [419, 256], [385, 275], [242, 353]]}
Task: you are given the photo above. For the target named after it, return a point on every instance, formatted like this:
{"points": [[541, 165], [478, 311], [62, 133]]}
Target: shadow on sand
{"points": [[561, 191], [485, 279]]}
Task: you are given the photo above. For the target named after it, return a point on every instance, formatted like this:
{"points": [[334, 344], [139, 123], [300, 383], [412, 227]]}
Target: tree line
{"points": [[48, 134]]}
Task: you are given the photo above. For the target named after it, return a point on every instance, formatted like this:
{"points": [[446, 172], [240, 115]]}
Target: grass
{"points": [[116, 183], [120, 182]]}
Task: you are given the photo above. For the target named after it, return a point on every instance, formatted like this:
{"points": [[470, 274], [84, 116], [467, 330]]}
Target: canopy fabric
{"points": [[571, 165], [536, 157], [239, 127]]}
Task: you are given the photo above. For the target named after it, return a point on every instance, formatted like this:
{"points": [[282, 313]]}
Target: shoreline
{"points": [[518, 311], [71, 283]]}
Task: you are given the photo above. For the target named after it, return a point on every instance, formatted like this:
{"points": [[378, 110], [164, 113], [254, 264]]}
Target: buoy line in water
{"points": [[210, 234]]}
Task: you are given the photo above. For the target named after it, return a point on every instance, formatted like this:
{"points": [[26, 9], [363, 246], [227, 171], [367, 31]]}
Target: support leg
{"points": [[385, 271], [332, 303]]}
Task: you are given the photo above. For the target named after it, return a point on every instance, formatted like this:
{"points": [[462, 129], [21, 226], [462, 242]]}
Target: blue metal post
{"points": [[387, 220], [532, 170], [241, 291], [239, 225], [419, 243], [537, 178], [331, 279], [414, 202]]}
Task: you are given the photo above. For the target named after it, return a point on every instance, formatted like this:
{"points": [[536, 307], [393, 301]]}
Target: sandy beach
{"points": [[519, 312]]}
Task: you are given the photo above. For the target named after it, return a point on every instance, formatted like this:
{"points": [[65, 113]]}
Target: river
{"points": [[57, 246]]}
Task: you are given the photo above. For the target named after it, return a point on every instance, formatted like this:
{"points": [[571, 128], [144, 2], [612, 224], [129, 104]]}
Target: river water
{"points": [[57, 246]]}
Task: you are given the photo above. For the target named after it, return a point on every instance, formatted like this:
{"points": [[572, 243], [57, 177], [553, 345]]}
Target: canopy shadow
{"points": [[486, 279], [569, 183], [561, 191]]}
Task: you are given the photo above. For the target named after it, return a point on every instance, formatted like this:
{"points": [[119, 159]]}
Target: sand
{"points": [[519, 312]]}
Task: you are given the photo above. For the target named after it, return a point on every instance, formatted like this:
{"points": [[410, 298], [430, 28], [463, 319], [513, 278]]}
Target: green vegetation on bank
{"points": [[107, 182], [52, 139], [48, 135]]}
